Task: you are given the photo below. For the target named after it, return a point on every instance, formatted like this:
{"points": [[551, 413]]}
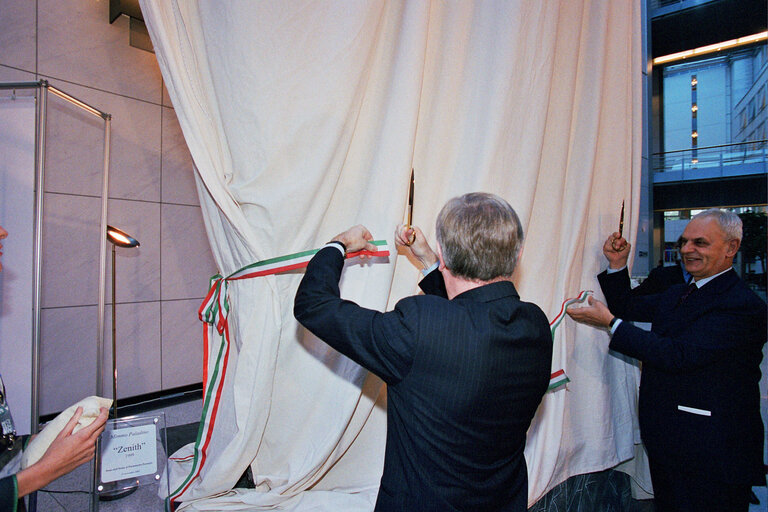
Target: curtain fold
{"points": [[305, 118]]}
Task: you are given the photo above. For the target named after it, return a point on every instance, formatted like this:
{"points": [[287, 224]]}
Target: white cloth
{"points": [[304, 118], [39, 444]]}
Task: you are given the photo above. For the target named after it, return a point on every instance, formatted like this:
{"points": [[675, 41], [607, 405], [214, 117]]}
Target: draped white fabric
{"points": [[304, 118]]}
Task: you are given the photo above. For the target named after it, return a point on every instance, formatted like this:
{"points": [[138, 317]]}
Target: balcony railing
{"points": [[743, 158]]}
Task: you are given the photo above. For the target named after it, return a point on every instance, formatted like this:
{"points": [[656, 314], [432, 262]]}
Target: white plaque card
{"points": [[131, 470], [129, 453]]}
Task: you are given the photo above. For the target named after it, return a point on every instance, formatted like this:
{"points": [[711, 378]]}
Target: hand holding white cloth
{"points": [[40, 443]]}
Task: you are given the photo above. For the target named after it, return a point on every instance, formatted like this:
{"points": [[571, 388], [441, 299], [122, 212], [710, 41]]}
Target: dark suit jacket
{"points": [[703, 353], [659, 279], [464, 378]]}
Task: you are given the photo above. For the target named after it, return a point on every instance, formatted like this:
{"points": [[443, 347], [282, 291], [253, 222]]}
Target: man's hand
{"points": [[596, 314], [411, 240], [356, 239], [616, 250], [67, 452]]}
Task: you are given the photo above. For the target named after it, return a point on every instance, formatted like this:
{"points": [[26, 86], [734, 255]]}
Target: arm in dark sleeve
{"points": [[731, 332], [380, 342], [622, 303], [433, 284]]}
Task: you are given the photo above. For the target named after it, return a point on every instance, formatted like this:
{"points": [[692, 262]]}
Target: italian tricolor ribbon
{"points": [[559, 378], [215, 307], [214, 312]]}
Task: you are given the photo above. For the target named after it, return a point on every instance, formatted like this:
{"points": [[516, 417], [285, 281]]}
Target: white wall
{"points": [[152, 196], [17, 203]]}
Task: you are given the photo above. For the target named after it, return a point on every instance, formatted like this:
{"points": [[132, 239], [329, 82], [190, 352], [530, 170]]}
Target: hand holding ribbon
{"points": [[596, 314]]}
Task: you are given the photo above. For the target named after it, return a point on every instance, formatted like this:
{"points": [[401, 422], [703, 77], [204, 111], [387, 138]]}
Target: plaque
{"points": [[131, 464]]}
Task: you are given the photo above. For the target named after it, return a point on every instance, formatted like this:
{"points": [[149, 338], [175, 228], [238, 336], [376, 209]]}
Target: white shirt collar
{"points": [[702, 282]]}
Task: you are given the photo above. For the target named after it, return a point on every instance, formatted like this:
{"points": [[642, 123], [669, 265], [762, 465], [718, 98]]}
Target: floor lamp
{"points": [[117, 238]]}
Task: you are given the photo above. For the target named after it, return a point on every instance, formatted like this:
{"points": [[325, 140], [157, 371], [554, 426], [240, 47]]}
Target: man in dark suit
{"points": [[465, 365], [699, 397]]}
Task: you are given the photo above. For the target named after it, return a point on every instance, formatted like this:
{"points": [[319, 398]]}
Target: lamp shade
{"points": [[120, 238]]}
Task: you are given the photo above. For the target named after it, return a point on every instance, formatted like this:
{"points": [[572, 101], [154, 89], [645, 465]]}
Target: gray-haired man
{"points": [[699, 397], [466, 365]]}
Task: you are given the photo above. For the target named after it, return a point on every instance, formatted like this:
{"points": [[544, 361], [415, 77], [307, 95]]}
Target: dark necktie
{"points": [[691, 288]]}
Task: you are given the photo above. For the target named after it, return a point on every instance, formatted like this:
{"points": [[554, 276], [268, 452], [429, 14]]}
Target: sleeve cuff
{"points": [[430, 268], [615, 323], [338, 245]]}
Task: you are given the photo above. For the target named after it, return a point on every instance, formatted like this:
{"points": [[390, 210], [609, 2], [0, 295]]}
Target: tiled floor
{"points": [[72, 491]]}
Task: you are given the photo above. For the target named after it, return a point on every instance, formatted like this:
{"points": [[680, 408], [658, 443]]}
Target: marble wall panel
{"points": [[71, 245], [17, 34], [138, 349], [182, 343], [138, 268], [75, 143], [78, 44], [178, 179], [67, 356], [74, 156], [71, 44], [8, 74], [187, 262]]}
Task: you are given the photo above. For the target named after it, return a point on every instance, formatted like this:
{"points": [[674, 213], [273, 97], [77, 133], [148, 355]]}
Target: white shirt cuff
{"points": [[430, 268], [336, 245], [616, 325]]}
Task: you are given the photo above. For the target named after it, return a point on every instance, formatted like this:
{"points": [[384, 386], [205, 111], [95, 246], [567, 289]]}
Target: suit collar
{"points": [[702, 282], [721, 282], [490, 292]]}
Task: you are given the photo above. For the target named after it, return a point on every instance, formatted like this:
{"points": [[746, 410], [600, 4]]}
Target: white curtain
{"points": [[304, 118]]}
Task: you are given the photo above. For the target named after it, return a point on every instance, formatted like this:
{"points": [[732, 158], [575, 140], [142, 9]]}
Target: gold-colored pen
{"points": [[621, 221], [409, 213]]}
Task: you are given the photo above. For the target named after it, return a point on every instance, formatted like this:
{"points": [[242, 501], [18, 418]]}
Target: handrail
{"points": [[58, 92], [701, 148]]}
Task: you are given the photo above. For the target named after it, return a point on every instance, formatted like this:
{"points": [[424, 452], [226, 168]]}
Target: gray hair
{"points": [[728, 221], [480, 236]]}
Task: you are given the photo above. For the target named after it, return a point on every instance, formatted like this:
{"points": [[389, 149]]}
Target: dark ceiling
{"points": [[707, 23]]}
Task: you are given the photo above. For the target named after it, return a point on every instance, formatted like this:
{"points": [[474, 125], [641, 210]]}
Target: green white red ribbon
{"points": [[559, 378], [215, 307], [214, 312]]}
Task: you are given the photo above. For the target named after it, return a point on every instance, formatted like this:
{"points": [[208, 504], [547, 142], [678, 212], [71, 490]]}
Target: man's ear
{"points": [[733, 247], [441, 264]]}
